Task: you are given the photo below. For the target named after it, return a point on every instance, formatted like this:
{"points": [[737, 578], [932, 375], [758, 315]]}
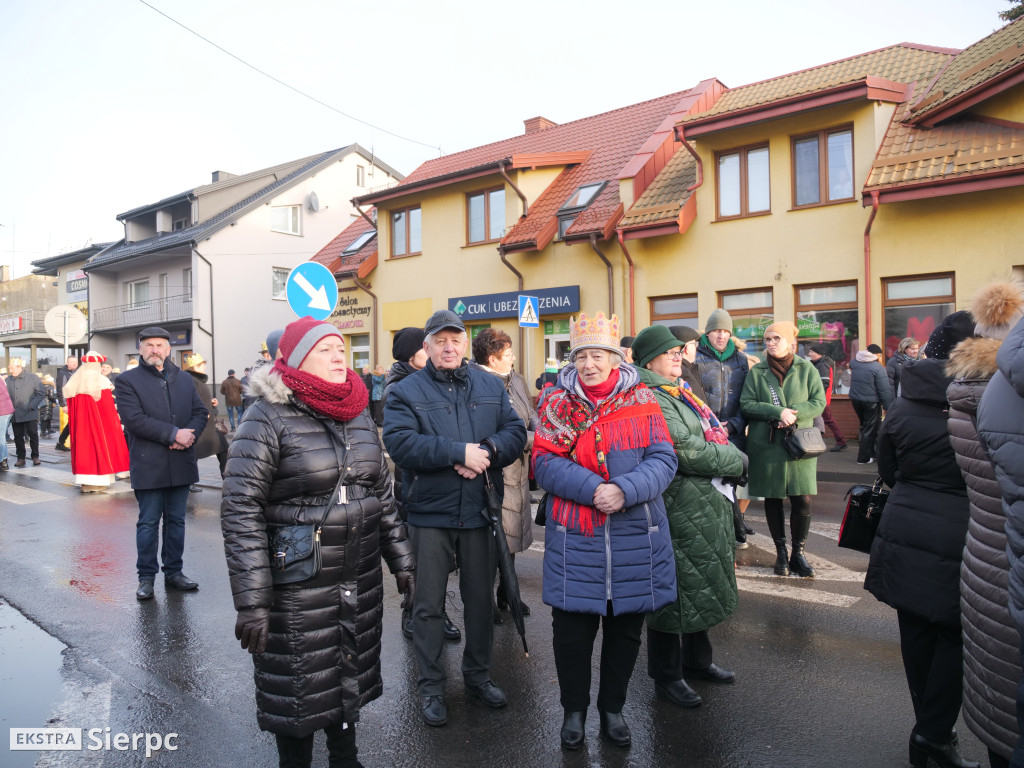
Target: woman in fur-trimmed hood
{"points": [[992, 667], [316, 643]]}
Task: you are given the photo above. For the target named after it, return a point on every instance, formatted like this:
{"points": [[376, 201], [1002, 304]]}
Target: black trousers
{"points": [[435, 548], [870, 417], [668, 653], [29, 429], [573, 636], [933, 661]]}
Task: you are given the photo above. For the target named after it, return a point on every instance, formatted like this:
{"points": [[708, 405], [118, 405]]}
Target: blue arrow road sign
{"points": [[529, 312], [312, 290]]}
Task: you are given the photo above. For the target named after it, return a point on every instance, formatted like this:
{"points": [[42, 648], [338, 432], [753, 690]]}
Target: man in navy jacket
{"points": [[445, 425], [162, 415]]}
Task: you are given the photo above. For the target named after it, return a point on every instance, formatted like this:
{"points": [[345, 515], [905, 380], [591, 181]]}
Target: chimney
{"points": [[535, 124], [5, 273], [222, 176]]}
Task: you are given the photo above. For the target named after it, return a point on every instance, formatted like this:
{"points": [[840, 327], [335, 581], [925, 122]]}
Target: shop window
{"points": [[751, 311], [674, 310], [406, 232], [823, 167], [826, 314], [485, 216], [742, 178], [359, 352], [914, 306]]}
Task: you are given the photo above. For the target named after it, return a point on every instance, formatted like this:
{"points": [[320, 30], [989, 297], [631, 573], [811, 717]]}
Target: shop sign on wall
{"points": [[552, 301], [352, 311], [77, 286]]}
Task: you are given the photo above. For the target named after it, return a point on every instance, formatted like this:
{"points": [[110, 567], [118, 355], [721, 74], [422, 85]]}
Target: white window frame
{"points": [[133, 290], [279, 283], [291, 224]]}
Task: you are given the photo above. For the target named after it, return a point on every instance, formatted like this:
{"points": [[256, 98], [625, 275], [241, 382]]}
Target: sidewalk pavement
{"points": [[839, 467]]}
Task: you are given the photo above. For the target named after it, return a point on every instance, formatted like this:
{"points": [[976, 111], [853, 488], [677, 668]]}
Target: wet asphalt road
{"points": [[819, 678]]}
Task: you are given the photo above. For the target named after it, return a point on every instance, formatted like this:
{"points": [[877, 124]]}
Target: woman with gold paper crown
{"points": [[98, 448], [603, 452]]}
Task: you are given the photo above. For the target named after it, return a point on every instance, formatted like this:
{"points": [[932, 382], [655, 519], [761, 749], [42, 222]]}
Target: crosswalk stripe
{"points": [[782, 589]]}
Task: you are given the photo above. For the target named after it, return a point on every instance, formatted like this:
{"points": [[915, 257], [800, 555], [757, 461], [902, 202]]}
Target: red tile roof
{"points": [[361, 262], [612, 141]]}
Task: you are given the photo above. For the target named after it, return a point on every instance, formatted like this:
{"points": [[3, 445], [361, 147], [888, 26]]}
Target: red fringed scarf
{"points": [[571, 428], [341, 402]]}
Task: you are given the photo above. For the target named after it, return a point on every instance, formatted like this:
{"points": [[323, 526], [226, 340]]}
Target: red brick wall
{"points": [[842, 412]]}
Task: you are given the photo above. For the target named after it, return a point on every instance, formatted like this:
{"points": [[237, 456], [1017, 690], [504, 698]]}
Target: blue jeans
{"points": [[154, 503], [4, 422], [234, 412]]}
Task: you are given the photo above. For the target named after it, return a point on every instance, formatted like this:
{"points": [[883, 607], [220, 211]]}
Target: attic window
{"points": [[360, 241], [576, 204], [178, 224]]}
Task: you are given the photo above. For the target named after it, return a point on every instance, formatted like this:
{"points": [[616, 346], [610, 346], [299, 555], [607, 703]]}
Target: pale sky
{"points": [[108, 105]]}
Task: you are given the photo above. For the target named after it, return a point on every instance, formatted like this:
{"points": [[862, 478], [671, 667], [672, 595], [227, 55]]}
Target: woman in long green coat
{"points": [[799, 397], [699, 520]]}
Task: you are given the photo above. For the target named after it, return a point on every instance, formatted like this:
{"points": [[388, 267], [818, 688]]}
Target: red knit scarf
{"points": [[571, 428], [599, 392], [341, 402]]}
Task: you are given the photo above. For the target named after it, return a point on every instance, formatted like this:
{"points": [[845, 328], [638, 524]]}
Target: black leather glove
{"points": [[252, 627], [406, 581], [746, 463]]}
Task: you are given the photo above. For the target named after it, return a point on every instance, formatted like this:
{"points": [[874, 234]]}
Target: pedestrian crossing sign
{"points": [[529, 312]]}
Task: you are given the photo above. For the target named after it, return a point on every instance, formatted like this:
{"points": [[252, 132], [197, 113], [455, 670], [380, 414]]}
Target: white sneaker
{"points": [[869, 461]]}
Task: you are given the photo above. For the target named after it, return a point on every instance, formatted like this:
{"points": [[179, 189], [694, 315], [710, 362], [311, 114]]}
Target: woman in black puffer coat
{"points": [[315, 644], [915, 558], [992, 669]]}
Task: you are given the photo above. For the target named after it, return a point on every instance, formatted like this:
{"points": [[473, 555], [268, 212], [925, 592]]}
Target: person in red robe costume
{"points": [[98, 448]]}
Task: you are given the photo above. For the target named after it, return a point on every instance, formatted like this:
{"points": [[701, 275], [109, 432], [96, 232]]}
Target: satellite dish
{"points": [[314, 202], [77, 325]]}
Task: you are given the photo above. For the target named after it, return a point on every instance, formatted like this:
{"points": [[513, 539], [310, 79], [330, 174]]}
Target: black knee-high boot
{"points": [[800, 525], [773, 515], [294, 752], [341, 747]]}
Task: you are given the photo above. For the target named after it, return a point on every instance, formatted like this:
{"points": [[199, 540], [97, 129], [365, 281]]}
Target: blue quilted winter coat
{"points": [[627, 561]]}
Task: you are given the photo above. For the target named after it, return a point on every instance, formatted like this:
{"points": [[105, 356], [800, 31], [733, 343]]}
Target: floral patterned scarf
{"points": [[714, 432], [571, 427]]}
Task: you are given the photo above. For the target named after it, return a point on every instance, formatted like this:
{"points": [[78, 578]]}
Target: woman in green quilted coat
{"points": [[700, 523], [798, 397]]}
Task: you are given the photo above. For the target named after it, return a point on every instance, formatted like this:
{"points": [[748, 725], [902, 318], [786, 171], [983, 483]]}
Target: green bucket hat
{"points": [[651, 342]]}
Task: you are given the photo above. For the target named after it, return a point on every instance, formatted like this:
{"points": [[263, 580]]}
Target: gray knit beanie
{"points": [[719, 320]]}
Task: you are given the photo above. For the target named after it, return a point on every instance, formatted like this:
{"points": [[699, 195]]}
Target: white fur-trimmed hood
{"points": [[267, 384]]}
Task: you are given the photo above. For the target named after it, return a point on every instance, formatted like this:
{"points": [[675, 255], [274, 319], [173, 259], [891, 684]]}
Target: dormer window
{"points": [[177, 225], [576, 204], [359, 242]]}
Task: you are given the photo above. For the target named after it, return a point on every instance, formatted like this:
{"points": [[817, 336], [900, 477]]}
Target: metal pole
{"points": [[65, 335]]}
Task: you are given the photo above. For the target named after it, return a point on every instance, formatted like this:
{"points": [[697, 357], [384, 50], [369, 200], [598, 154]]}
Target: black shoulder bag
{"points": [[799, 442], [295, 549]]}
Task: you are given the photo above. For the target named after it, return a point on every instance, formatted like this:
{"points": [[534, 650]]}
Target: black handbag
{"points": [[864, 506], [799, 442], [802, 442], [542, 510], [295, 549]]}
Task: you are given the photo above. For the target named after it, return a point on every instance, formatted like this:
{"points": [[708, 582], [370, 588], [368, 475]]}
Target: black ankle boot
{"points": [[614, 729], [801, 527], [341, 747], [573, 729], [781, 558], [945, 755]]}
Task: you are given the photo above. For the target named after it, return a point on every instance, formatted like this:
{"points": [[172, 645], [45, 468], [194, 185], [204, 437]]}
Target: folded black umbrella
{"points": [[508, 571]]}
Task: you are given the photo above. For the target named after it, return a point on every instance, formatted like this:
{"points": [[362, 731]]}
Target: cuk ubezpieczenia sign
{"points": [[488, 306]]}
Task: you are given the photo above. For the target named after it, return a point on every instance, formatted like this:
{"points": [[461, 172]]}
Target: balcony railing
{"points": [[142, 313]]}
